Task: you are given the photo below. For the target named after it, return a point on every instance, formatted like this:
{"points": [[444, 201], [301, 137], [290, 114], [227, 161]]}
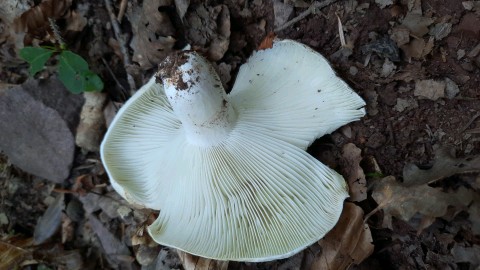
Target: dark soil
{"points": [[394, 138]]}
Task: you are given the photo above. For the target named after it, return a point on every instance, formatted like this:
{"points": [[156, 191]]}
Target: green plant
{"points": [[73, 70]]}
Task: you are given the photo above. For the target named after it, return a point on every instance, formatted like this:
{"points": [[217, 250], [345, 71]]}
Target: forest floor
{"points": [[411, 163]]}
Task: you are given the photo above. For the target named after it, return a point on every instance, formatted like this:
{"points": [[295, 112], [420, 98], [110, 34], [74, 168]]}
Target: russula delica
{"points": [[229, 172]]}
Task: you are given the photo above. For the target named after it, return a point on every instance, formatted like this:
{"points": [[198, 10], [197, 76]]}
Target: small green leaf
{"points": [[36, 57], [92, 81], [74, 73]]}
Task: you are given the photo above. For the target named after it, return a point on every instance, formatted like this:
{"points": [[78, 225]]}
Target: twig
{"points": [[123, 48], [124, 91], [310, 10], [121, 11], [470, 122]]}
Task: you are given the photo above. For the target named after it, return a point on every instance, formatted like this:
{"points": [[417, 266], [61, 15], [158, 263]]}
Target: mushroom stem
{"points": [[197, 97]]}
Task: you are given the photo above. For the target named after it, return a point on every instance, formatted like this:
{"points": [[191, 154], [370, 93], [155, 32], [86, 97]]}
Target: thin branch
{"points": [[310, 10], [123, 48], [121, 12], [124, 91]]}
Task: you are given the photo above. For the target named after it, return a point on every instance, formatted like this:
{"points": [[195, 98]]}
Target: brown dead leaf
{"points": [[430, 89], [414, 49], [417, 24], [35, 20], [152, 33], [267, 42], [13, 249], [445, 165], [192, 262], [401, 35], [10, 41], [397, 200], [76, 22], [428, 47], [68, 229], [353, 173], [208, 29], [349, 242]]}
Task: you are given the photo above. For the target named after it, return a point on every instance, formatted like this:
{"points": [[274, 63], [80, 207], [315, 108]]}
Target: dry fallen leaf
{"points": [[397, 200], [417, 24], [474, 214], [349, 242], [467, 254], [50, 221], [76, 22], [430, 89], [267, 42], [401, 35], [353, 173], [152, 33], [182, 7], [35, 20], [445, 165], [13, 249], [192, 262], [115, 249], [208, 29]]}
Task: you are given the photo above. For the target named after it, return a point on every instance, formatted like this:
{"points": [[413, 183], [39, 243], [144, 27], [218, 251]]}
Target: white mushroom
{"points": [[229, 173]]}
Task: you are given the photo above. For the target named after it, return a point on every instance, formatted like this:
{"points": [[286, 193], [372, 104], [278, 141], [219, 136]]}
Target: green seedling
{"points": [[73, 70]]}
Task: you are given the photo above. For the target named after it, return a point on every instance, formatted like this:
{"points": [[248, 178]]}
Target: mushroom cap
{"points": [[256, 195]]}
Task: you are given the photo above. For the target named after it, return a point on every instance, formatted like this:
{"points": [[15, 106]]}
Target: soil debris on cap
{"points": [[169, 70]]}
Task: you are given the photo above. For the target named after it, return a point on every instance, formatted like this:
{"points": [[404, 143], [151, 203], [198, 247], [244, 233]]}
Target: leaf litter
{"points": [[415, 37]]}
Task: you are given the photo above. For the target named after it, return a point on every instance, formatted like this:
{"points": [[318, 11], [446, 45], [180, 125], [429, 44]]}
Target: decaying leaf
{"points": [[10, 41], [182, 6], [166, 259], [146, 255], [383, 3], [441, 30], [349, 242], [353, 173], [401, 35], [192, 262], [11, 9], [208, 28], [417, 48], [152, 33], [397, 200], [267, 42], [445, 165], [35, 20], [49, 223], [282, 12], [92, 122], [385, 47], [13, 249], [417, 24], [430, 89], [76, 22], [113, 247], [467, 254], [474, 215]]}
